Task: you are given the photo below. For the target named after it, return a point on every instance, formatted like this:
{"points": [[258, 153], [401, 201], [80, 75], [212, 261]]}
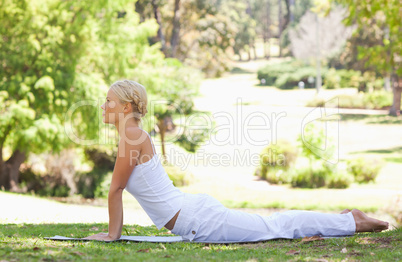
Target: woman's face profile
{"points": [[112, 108]]}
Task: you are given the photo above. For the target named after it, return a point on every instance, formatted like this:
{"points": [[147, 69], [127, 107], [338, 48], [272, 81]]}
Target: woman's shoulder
{"points": [[135, 135]]}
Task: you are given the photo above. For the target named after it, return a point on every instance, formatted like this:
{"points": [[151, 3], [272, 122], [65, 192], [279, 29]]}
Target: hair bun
{"points": [[141, 108]]}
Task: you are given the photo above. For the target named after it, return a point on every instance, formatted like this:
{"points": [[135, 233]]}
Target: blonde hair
{"points": [[129, 91]]}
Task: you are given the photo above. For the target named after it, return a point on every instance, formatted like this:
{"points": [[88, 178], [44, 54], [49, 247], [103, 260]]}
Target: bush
{"points": [[178, 176], [286, 75], [378, 99], [372, 100], [364, 170], [340, 179], [277, 176], [88, 183], [290, 80], [271, 72], [275, 159], [349, 78], [309, 177], [351, 101], [50, 174], [332, 79]]}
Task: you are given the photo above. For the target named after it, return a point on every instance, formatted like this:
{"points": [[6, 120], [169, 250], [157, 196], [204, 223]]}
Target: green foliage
{"points": [[310, 177], [93, 183], [271, 72], [378, 99], [57, 59], [380, 16], [245, 26], [178, 176], [315, 143], [287, 75], [276, 175], [364, 170], [339, 179], [344, 78], [371, 100], [275, 160], [291, 80]]}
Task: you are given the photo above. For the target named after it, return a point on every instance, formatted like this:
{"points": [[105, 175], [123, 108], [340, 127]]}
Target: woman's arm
{"points": [[127, 154]]}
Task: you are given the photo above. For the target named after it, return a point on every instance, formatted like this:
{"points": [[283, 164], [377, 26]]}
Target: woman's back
{"points": [[153, 189]]}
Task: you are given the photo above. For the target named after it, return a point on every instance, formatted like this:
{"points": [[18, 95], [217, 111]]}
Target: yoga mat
{"points": [[152, 239]]}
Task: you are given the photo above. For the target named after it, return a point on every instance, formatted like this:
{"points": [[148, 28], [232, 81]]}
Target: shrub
{"points": [[88, 183], [349, 78], [351, 101], [276, 157], [291, 79], [178, 176], [287, 75], [340, 179], [316, 144], [332, 79], [364, 170], [309, 177], [50, 174], [277, 176], [378, 99], [370, 100], [272, 71]]}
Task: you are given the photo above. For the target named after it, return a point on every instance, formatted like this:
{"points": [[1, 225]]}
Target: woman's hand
{"points": [[100, 237]]}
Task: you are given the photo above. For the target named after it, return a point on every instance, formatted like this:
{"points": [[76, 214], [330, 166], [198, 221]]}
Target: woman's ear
{"points": [[127, 108]]}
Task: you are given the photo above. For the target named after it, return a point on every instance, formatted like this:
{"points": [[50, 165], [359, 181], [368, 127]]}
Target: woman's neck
{"points": [[122, 125]]}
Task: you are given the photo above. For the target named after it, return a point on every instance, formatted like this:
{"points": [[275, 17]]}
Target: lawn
{"points": [[24, 242]]}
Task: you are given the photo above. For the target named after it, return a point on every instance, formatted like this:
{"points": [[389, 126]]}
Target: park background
{"points": [[267, 105]]}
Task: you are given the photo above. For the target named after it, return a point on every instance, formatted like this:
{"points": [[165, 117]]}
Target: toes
{"points": [[345, 211]]}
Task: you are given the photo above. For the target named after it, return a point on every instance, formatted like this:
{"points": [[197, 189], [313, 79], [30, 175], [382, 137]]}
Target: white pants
{"points": [[203, 218]]}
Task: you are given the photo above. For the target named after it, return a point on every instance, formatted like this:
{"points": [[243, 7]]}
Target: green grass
{"points": [[372, 119], [25, 243]]}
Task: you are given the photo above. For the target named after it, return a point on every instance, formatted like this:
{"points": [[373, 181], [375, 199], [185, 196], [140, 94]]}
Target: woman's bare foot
{"points": [[345, 211], [367, 224]]}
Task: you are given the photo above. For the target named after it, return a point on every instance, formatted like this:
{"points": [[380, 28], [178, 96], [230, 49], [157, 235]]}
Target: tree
{"points": [[196, 32], [53, 58], [385, 56], [333, 34]]}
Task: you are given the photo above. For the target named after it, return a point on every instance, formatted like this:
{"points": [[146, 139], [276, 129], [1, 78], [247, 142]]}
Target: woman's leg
{"points": [[368, 224], [232, 225]]}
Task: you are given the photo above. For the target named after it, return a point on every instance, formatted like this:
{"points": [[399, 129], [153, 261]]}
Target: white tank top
{"points": [[153, 189]]}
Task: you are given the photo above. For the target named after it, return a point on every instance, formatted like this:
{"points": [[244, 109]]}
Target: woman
{"points": [[196, 217]]}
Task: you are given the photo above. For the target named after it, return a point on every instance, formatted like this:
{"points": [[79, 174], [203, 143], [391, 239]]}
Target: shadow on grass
{"points": [[395, 154], [372, 119], [238, 70], [381, 151]]}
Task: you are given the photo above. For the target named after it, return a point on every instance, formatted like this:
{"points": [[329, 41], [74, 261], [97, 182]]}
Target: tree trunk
{"points": [[287, 15], [4, 176], [397, 90], [280, 27], [254, 50], [158, 19], [4, 179], [13, 167], [174, 41], [139, 9], [268, 36]]}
